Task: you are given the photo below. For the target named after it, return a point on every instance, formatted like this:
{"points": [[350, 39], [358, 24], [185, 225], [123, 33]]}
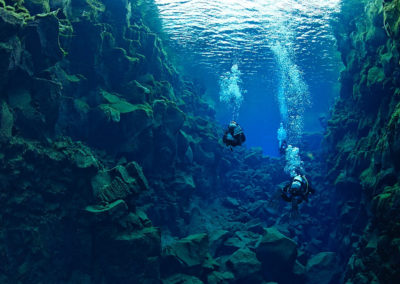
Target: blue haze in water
{"points": [[281, 54]]}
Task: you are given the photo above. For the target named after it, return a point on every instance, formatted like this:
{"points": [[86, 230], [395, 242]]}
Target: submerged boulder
{"points": [[245, 266], [136, 253], [323, 268], [190, 251], [277, 254], [241, 239], [182, 279], [187, 255], [217, 239], [217, 277], [121, 182]]}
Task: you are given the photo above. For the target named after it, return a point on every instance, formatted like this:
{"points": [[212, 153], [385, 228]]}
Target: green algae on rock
{"points": [[366, 152]]}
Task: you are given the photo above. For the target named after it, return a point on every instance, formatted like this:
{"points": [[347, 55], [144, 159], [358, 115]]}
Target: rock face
{"points": [[323, 268], [92, 117], [80, 70], [50, 204], [112, 170], [363, 137]]}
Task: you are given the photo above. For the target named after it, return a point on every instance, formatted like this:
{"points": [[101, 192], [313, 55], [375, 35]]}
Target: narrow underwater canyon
{"points": [[112, 168]]}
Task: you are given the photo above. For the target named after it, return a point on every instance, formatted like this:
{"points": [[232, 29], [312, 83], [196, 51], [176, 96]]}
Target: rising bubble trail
{"points": [[293, 98], [230, 91]]}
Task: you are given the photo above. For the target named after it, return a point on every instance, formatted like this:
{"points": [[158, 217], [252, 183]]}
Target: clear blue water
{"points": [[208, 37]]}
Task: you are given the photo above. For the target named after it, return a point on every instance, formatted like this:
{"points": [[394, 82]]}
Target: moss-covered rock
{"points": [[392, 18], [370, 51], [42, 41], [37, 6], [10, 23]]}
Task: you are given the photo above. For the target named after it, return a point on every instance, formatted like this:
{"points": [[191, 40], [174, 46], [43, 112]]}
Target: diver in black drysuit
{"points": [[233, 135], [282, 148], [297, 191]]}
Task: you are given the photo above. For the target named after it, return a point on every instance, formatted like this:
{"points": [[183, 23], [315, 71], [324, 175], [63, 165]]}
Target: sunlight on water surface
{"points": [[222, 31]]}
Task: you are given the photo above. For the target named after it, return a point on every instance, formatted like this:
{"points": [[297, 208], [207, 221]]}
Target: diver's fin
{"points": [[274, 201], [294, 212]]}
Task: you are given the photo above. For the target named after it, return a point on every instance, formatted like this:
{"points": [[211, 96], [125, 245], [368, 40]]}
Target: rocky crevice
{"points": [[363, 133], [99, 135]]}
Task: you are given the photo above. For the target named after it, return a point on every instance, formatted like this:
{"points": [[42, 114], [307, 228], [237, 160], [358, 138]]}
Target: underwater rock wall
{"points": [[364, 142], [99, 135], [90, 71]]}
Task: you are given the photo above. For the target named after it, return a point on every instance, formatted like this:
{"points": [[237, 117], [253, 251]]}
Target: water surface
{"points": [[208, 37]]}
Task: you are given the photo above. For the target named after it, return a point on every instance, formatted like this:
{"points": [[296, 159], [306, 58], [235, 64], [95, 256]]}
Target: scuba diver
{"points": [[233, 135], [282, 139], [297, 191], [282, 147]]}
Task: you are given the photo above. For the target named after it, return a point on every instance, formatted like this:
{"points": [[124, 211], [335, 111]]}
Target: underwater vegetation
{"points": [[112, 168]]}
